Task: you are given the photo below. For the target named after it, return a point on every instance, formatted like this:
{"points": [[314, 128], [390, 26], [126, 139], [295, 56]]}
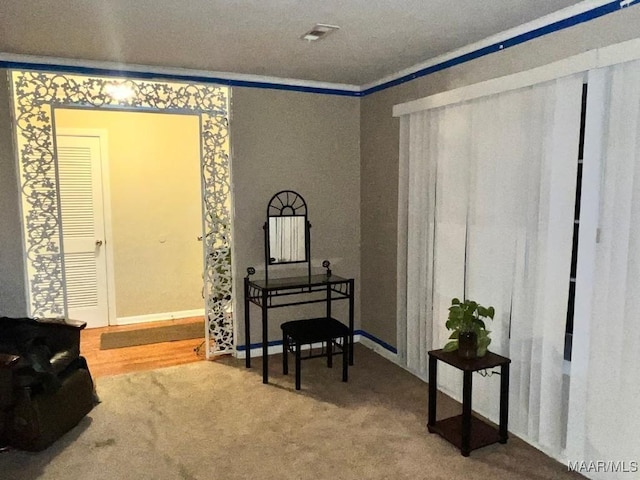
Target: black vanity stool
{"points": [[315, 330]]}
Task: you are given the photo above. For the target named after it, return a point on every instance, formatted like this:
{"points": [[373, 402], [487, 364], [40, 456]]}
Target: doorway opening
{"points": [[35, 95], [131, 215]]}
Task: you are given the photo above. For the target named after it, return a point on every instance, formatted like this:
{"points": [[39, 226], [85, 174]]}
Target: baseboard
{"points": [[381, 348], [275, 347], [155, 317], [364, 338]]}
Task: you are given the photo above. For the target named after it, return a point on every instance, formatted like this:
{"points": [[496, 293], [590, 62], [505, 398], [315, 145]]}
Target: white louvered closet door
{"points": [[81, 200]]}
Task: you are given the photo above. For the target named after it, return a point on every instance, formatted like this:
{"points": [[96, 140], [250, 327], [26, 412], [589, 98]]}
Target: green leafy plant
{"points": [[468, 316]]}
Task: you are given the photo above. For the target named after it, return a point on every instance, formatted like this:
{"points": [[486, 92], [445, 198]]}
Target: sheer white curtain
{"points": [[604, 422], [486, 212]]}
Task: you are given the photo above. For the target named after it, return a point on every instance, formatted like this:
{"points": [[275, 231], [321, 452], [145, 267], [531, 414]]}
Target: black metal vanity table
{"points": [[287, 243], [290, 291]]}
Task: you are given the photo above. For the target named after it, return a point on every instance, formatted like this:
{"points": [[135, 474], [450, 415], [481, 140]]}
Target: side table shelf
{"points": [[466, 431], [451, 430]]}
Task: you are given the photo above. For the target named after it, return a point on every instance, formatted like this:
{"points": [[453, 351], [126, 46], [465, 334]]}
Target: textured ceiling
{"points": [[377, 38]]}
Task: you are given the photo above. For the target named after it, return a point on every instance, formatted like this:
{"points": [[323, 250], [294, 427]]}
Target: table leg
{"points": [[298, 366], [433, 391], [465, 447], [351, 315], [504, 402], [265, 338], [247, 323], [345, 359], [328, 315]]}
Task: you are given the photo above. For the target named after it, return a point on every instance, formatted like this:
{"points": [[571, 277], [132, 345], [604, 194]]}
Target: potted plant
{"points": [[469, 334]]}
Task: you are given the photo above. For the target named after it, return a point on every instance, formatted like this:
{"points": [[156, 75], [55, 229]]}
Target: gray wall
{"points": [[379, 145], [12, 288], [304, 142]]}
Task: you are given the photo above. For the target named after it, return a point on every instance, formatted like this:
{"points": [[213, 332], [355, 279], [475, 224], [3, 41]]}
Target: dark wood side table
{"points": [[467, 432]]}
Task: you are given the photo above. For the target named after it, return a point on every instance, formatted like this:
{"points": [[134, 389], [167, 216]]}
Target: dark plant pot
{"points": [[468, 345]]}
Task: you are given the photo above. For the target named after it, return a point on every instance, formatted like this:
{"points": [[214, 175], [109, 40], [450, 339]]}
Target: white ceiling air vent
{"points": [[319, 31]]}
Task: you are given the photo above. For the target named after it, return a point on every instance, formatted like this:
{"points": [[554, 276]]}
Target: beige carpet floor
{"points": [[216, 420]]}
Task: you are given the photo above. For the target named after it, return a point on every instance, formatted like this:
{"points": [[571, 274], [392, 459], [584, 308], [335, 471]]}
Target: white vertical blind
{"points": [[543, 268], [403, 219], [421, 211], [605, 392], [491, 185], [452, 153]]}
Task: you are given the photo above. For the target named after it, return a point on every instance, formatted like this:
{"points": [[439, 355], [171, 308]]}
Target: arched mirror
{"points": [[287, 230]]}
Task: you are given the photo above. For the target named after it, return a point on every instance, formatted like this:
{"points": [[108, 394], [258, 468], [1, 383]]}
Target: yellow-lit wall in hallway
{"points": [[154, 170]]}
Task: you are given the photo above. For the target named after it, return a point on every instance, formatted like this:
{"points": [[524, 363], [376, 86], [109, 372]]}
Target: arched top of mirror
{"points": [[287, 203]]}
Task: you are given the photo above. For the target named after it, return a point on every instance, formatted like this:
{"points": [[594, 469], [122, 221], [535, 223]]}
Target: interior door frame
{"points": [[103, 135]]}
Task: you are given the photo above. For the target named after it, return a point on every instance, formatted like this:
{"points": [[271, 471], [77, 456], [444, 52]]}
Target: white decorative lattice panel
{"points": [[35, 95]]}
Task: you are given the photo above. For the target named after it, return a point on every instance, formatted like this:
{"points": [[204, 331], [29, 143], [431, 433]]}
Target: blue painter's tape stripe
{"points": [[382, 343], [385, 345], [496, 47], [253, 346], [173, 77]]}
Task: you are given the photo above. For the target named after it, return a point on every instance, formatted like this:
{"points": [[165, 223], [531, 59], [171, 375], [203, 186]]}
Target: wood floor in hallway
{"points": [[115, 361]]}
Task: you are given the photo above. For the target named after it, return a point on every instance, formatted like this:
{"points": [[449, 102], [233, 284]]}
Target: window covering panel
{"points": [[489, 216], [605, 392]]}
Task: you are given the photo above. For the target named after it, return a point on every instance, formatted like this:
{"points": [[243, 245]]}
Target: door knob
{"points": [[98, 243]]}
